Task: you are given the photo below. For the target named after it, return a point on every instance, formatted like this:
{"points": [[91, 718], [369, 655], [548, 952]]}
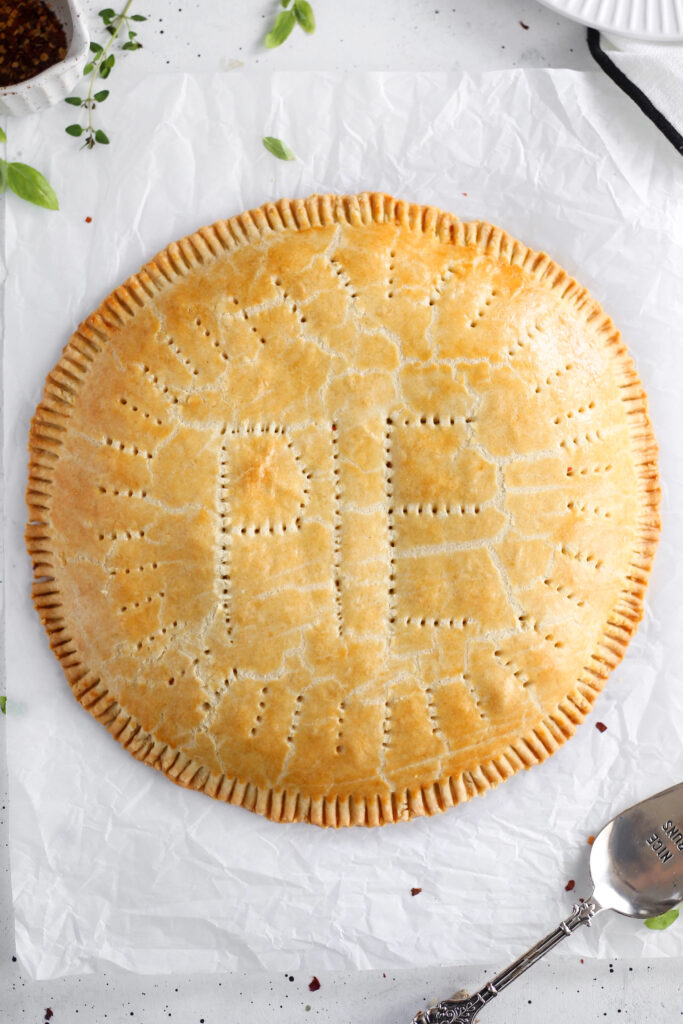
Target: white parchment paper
{"points": [[112, 862]]}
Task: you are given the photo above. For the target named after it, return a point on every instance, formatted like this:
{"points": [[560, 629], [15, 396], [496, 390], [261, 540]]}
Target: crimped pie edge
{"points": [[51, 420]]}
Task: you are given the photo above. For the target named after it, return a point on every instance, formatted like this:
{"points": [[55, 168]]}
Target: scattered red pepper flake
{"points": [[581, 960], [415, 892], [523, 25], [601, 727], [314, 984], [88, 220], [590, 840], [570, 885], [49, 1014], [464, 193], [570, 470]]}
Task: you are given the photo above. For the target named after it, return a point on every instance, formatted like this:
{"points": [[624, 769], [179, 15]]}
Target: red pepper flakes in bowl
{"points": [[32, 38]]}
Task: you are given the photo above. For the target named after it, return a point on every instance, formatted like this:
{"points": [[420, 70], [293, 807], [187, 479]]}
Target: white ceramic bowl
{"points": [[56, 82]]}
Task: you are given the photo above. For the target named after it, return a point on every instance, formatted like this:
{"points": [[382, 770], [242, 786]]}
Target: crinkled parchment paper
{"points": [[111, 861]]}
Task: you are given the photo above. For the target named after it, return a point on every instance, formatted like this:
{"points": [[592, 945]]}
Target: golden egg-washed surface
{"points": [[342, 510]]}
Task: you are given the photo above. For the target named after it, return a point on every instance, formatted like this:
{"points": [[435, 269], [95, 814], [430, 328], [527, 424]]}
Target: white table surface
{"points": [[210, 35]]}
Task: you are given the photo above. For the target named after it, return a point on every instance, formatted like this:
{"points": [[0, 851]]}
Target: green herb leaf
{"points": [[3, 705], [138, 17], [284, 3], [278, 148], [131, 46], [658, 924], [88, 68], [101, 96], [101, 137], [3, 137], [107, 14], [29, 184], [284, 23], [3, 175], [75, 101], [95, 48], [303, 13], [74, 129]]}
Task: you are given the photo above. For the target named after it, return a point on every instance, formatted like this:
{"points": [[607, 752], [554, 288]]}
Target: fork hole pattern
{"points": [[392, 258], [224, 558], [386, 725], [473, 692], [343, 279], [139, 604], [339, 746], [144, 413], [178, 352], [153, 380], [391, 530], [259, 714], [337, 530], [295, 718]]}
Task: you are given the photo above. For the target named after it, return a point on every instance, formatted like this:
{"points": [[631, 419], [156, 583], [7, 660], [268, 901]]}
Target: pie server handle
{"points": [[463, 1011]]}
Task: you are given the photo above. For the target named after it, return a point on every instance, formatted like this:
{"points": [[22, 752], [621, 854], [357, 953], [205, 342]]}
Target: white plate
{"points": [[658, 20]]}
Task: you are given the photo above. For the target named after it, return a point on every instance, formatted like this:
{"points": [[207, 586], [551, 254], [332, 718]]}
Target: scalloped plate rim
{"points": [[630, 24]]}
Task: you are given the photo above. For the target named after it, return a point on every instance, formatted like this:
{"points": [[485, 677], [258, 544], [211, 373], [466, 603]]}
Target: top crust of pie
{"points": [[342, 510]]}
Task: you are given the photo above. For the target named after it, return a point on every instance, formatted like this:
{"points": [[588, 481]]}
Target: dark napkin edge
{"points": [[632, 90]]}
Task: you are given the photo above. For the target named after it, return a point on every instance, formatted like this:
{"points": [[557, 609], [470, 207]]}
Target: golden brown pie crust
{"points": [[342, 510]]}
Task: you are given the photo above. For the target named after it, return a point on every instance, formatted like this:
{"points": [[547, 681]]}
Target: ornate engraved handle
{"points": [[462, 1011]]}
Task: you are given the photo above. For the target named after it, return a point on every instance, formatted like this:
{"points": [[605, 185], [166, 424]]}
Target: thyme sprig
{"points": [[100, 67]]}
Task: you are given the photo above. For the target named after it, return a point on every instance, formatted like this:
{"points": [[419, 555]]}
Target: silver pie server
{"points": [[636, 867]]}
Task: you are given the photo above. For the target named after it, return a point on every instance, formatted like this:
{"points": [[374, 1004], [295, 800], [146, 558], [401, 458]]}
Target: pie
{"points": [[342, 510]]}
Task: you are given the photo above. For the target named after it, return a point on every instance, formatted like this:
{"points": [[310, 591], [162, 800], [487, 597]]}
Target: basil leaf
{"points": [[29, 184], [3, 175], [278, 148], [284, 23], [74, 129], [303, 13], [3, 137], [101, 137], [75, 101], [101, 96], [658, 924], [3, 705]]}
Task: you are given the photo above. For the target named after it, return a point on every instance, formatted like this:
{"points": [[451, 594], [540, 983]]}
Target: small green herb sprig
{"points": [[658, 924], [278, 148], [3, 705], [99, 67], [299, 13], [29, 184]]}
